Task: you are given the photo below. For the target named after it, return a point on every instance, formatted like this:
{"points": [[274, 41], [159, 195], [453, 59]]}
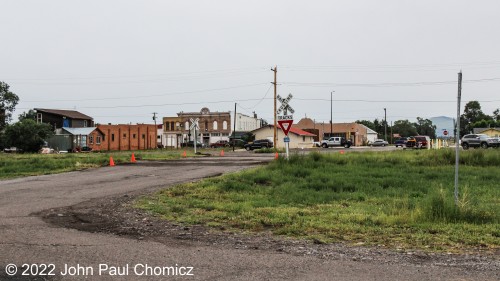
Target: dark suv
{"points": [[259, 144], [401, 142], [478, 140]]}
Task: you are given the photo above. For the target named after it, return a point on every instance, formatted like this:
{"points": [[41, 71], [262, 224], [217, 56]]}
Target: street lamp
{"points": [[331, 113], [385, 124]]}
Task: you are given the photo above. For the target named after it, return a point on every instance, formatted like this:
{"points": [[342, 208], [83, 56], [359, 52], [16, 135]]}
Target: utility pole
{"points": [[234, 127], [457, 136], [385, 124], [331, 114], [156, 128], [275, 109]]}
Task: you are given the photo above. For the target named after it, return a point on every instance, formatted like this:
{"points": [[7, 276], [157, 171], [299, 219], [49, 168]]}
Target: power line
{"points": [[181, 74], [388, 84], [156, 95]]}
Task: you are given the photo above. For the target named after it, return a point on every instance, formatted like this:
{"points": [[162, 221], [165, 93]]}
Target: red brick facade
{"points": [[123, 137]]}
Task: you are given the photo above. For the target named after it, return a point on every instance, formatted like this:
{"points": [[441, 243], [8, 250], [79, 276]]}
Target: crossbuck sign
{"points": [[285, 107], [194, 123]]}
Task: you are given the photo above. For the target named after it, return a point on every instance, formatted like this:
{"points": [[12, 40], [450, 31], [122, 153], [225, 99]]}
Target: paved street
{"points": [[26, 239]]}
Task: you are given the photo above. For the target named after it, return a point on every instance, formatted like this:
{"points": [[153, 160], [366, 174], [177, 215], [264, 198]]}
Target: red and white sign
{"points": [[285, 125], [445, 132]]}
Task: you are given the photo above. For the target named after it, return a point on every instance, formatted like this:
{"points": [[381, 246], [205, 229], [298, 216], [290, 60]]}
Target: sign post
{"points": [[285, 121], [194, 126]]}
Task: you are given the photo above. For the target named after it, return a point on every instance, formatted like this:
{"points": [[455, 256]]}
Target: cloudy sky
{"points": [[120, 61]]}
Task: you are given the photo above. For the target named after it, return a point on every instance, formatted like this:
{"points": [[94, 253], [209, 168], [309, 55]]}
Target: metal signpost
{"points": [[194, 126], [285, 121]]}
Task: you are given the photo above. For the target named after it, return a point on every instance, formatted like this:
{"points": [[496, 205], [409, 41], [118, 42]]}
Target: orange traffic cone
{"points": [[276, 155], [111, 162], [132, 159], [341, 152], [222, 153], [184, 154]]}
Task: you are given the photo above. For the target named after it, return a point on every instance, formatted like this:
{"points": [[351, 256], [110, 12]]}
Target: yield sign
{"points": [[285, 125]]}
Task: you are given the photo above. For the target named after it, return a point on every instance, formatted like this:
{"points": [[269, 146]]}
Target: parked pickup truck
{"points": [[336, 141]]}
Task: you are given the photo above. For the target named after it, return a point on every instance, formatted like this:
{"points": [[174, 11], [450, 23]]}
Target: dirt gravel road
{"points": [[82, 220]]}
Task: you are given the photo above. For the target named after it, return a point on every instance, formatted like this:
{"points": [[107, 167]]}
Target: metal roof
{"points": [[80, 131]]}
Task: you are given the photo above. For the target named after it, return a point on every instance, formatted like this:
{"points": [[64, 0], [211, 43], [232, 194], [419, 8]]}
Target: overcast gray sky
{"points": [[120, 61]]}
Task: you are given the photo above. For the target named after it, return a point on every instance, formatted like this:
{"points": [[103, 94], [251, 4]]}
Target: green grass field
{"points": [[18, 165], [400, 199]]}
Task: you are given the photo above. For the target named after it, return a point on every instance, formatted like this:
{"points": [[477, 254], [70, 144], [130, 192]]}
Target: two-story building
{"points": [[58, 118], [213, 126]]}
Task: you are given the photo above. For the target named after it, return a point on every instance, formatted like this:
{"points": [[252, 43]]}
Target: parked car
{"points": [[419, 142], [479, 140], [220, 143], [237, 143], [11, 150], [379, 142], [401, 142], [336, 141], [259, 144], [191, 144]]}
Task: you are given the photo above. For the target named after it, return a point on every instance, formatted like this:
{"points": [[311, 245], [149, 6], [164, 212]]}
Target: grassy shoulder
{"points": [[402, 199], [19, 165]]}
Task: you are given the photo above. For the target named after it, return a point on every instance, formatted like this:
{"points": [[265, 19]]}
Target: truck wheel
{"points": [[247, 148], [484, 145], [346, 146], [324, 145], [465, 146]]}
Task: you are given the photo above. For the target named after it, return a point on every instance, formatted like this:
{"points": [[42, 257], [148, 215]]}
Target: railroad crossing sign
{"points": [[285, 107], [194, 123]]}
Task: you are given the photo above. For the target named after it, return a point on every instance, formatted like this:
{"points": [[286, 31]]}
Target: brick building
{"points": [[214, 126], [123, 137], [359, 134]]}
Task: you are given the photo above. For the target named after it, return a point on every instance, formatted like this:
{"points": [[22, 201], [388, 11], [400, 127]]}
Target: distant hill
{"points": [[443, 123]]}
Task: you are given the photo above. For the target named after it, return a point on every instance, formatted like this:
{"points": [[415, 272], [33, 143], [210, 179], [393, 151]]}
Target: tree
{"points": [[425, 127], [367, 123], [31, 114], [404, 128], [472, 114], [496, 115], [27, 135], [8, 102]]}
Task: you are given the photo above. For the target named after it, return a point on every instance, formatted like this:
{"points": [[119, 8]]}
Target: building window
{"points": [[215, 125], [303, 138], [177, 125], [103, 137], [112, 137], [224, 125], [124, 136], [84, 123], [133, 136], [98, 139], [91, 139], [172, 128], [215, 134], [186, 125], [143, 136], [39, 118], [225, 134]]}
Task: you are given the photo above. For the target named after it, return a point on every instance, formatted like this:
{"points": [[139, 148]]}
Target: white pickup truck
{"points": [[336, 142]]}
